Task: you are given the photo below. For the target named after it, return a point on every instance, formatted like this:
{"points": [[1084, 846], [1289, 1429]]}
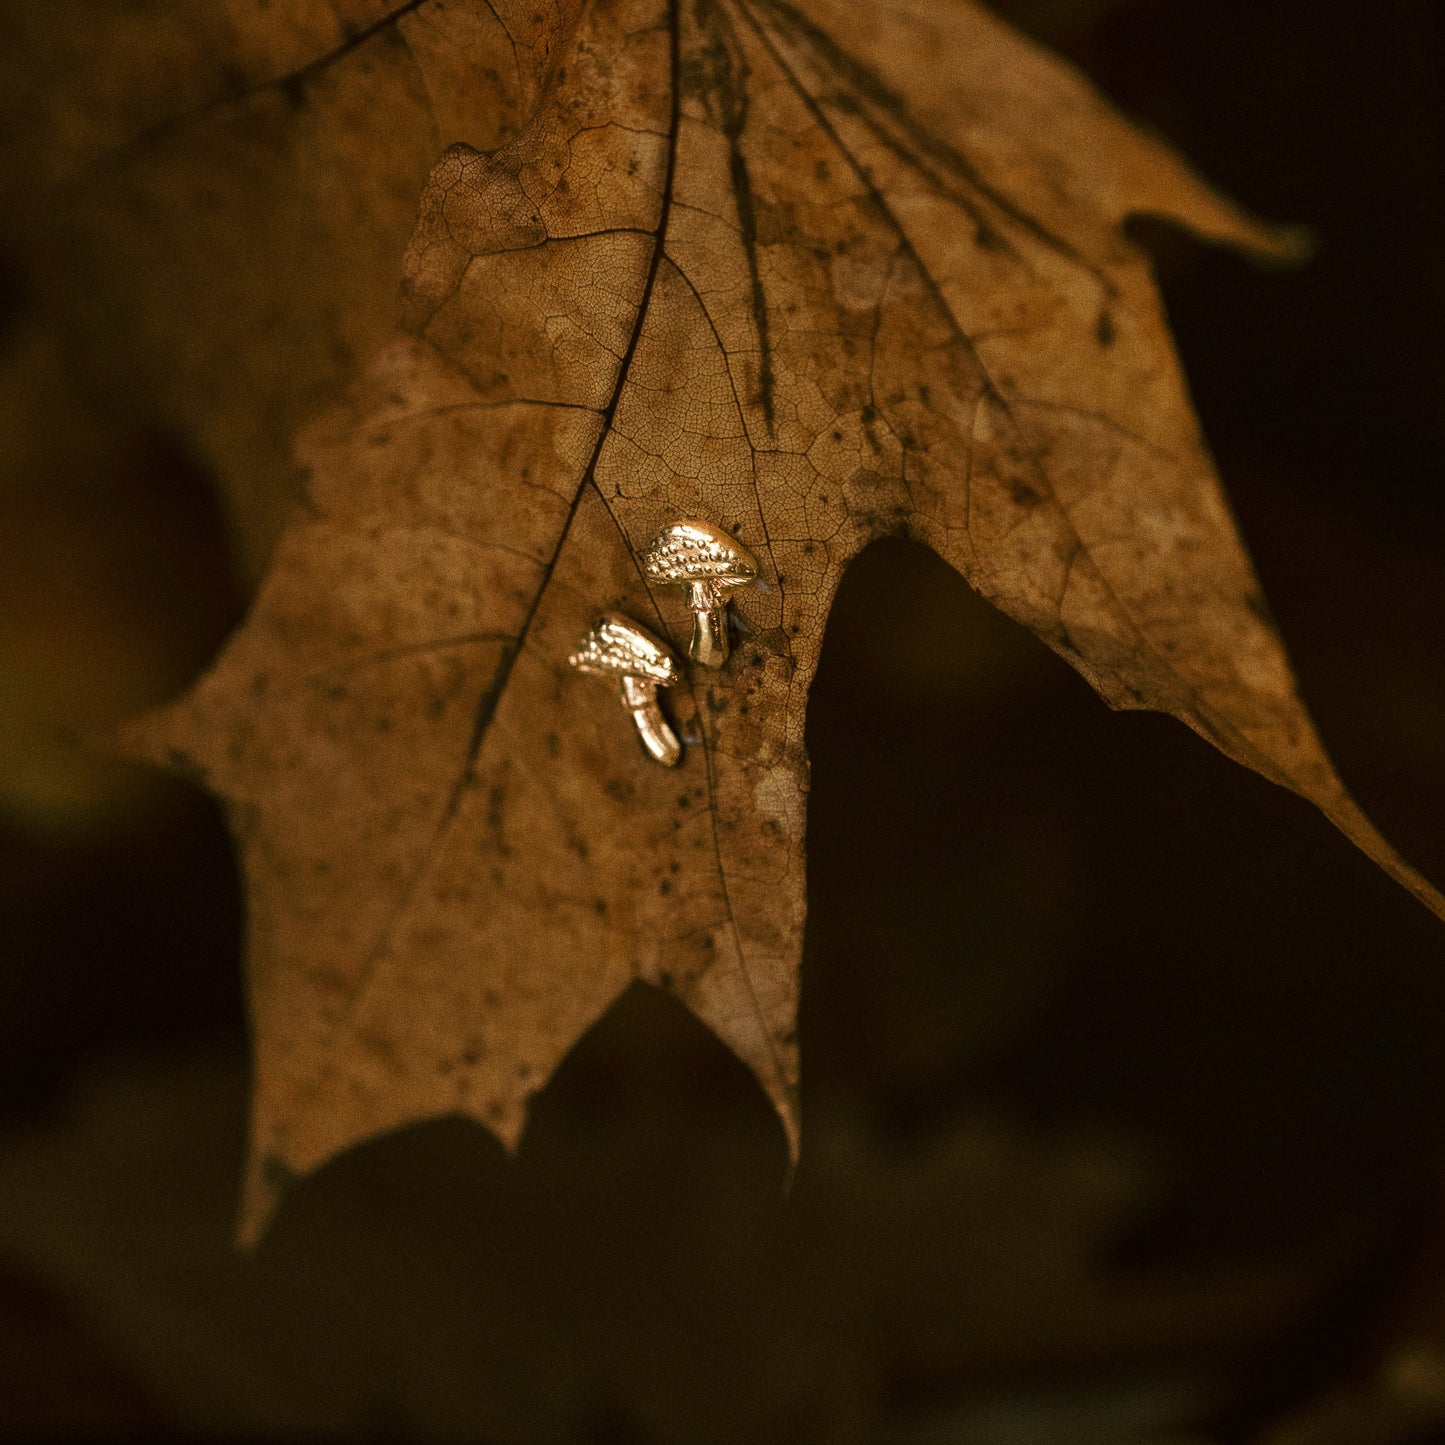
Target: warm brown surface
{"points": [[1013, 896]]}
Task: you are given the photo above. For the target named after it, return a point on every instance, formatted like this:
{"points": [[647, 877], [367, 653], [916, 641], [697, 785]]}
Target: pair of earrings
{"points": [[709, 564]]}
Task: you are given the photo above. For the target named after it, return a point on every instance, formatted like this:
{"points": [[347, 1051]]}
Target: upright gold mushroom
{"points": [[709, 564], [617, 648]]}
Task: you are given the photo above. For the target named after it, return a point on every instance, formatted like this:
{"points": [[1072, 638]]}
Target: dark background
{"points": [[1124, 1094]]}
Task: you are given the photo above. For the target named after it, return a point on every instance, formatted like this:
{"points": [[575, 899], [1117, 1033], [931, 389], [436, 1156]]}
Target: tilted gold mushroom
{"points": [[618, 648], [709, 564]]}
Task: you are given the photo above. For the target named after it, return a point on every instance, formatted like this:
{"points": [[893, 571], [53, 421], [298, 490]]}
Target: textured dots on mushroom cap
{"points": [[692, 551], [618, 647]]}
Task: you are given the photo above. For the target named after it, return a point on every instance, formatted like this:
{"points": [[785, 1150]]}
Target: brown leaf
{"points": [[238, 182], [819, 272]]}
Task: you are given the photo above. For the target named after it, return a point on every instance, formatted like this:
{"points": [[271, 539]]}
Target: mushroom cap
{"points": [[617, 647], [696, 551]]}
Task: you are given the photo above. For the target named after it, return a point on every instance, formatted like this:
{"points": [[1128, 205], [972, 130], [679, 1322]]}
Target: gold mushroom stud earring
{"points": [[709, 564], [617, 648]]}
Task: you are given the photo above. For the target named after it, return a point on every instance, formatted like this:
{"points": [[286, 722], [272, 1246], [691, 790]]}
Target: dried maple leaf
{"points": [[820, 272]]}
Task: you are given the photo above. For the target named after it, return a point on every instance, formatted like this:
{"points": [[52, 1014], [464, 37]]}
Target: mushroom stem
{"points": [[640, 696], [709, 645]]}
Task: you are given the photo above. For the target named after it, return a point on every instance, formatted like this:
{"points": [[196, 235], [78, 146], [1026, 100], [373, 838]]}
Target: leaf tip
{"points": [[149, 737], [1185, 199], [268, 1179], [1280, 245], [1351, 820]]}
